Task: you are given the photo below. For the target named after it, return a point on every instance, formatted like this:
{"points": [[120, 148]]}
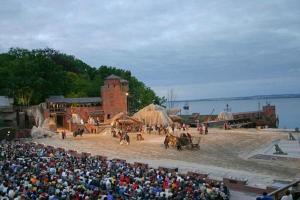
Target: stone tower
{"points": [[114, 96]]}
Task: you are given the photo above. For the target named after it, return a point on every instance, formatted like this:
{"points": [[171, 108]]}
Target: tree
{"points": [[32, 76]]}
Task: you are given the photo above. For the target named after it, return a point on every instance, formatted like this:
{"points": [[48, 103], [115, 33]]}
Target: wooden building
{"points": [[69, 111]]}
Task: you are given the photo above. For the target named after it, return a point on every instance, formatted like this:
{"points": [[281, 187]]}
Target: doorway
{"points": [[60, 121]]}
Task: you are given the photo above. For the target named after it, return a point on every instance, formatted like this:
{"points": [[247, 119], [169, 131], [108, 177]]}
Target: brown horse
{"points": [[125, 139], [171, 140], [78, 132], [185, 139]]}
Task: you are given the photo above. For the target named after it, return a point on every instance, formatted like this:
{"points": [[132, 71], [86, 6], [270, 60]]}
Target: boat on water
{"points": [[186, 106], [265, 117]]}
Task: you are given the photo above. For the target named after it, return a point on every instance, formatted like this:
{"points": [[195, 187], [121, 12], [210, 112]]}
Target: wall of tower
{"points": [[114, 98]]}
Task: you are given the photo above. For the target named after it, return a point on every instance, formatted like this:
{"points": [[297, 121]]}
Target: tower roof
{"points": [[115, 77], [112, 76]]}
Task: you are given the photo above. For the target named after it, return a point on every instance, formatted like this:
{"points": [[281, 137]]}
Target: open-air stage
{"points": [[240, 153]]}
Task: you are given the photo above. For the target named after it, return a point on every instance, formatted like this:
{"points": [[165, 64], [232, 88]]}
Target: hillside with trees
{"points": [[30, 76]]}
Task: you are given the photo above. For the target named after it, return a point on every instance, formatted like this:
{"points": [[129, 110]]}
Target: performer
{"points": [[200, 129], [63, 134]]}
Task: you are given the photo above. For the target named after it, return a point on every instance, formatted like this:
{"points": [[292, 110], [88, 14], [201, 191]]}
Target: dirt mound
{"points": [[41, 133]]}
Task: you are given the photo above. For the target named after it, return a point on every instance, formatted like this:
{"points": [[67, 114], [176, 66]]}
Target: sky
{"points": [[199, 49]]}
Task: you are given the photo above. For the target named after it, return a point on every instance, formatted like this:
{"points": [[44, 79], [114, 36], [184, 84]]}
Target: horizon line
{"points": [[263, 96]]}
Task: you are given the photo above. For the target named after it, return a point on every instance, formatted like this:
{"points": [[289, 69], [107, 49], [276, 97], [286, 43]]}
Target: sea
{"points": [[287, 109]]}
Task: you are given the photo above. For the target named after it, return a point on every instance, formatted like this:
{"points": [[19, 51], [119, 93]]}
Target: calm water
{"points": [[288, 109]]}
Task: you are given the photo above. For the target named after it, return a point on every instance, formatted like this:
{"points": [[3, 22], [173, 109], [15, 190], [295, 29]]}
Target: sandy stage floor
{"points": [[222, 153]]}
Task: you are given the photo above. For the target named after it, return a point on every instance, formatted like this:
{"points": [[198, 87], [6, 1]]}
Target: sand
{"points": [[222, 153]]}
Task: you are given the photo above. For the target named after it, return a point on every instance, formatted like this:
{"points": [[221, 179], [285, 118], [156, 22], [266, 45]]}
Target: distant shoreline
{"points": [[256, 97]]}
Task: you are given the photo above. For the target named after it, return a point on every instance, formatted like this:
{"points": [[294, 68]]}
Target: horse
{"points": [[170, 140], [125, 139], [78, 132], [178, 142]]}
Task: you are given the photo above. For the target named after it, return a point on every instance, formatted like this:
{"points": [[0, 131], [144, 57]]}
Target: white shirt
{"points": [[108, 184], [11, 194], [64, 174], [287, 197]]}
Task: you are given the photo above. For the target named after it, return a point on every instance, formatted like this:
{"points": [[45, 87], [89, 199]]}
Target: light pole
{"points": [[127, 111]]}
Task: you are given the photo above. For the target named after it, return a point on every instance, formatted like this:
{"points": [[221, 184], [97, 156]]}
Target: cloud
{"points": [[167, 43]]}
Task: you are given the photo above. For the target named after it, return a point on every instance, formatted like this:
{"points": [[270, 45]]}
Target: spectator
{"points": [[287, 196], [63, 134], [30, 171], [265, 196]]}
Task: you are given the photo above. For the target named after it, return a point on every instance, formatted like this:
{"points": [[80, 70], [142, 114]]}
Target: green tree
{"points": [[32, 76]]}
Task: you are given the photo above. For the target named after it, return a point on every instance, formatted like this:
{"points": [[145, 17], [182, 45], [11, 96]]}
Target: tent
{"points": [[225, 116], [153, 115]]}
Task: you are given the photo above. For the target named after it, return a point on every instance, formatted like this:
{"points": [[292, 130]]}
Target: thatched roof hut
{"points": [[122, 118], [117, 116], [176, 118], [153, 115]]}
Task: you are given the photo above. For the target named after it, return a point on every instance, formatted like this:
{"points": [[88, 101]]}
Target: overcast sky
{"points": [[200, 49]]}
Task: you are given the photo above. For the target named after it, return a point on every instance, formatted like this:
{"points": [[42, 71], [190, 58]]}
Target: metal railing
{"points": [[277, 194]]}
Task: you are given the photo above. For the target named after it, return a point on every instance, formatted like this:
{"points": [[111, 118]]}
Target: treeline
{"points": [[32, 76]]}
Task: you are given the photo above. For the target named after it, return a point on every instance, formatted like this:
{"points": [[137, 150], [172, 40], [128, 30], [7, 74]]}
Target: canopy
{"points": [[153, 115], [225, 116], [117, 116], [122, 118]]}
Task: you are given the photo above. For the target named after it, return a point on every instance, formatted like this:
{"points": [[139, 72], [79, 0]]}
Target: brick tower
{"points": [[269, 114], [114, 96]]}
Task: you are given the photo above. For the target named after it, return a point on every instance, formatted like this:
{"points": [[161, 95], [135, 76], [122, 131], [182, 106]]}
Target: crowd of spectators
{"points": [[32, 171]]}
